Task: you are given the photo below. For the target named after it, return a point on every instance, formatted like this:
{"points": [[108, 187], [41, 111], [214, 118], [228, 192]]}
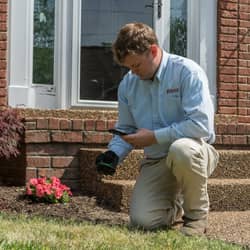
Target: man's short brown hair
{"points": [[133, 38]]}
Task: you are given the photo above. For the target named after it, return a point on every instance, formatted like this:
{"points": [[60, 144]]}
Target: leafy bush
{"points": [[49, 190], [11, 128]]}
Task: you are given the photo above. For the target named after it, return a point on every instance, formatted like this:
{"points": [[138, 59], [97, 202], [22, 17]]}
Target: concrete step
{"points": [[230, 226], [232, 164], [225, 194]]}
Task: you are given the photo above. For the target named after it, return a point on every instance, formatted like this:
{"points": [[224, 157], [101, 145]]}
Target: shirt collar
{"points": [[164, 61]]}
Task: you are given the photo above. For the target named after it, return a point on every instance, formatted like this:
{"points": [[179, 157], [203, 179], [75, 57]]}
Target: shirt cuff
{"points": [[161, 135]]}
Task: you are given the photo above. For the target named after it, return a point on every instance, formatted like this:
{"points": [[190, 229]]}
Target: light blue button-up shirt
{"points": [[176, 104]]}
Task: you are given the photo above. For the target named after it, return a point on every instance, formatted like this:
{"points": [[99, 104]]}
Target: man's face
{"points": [[142, 65]]}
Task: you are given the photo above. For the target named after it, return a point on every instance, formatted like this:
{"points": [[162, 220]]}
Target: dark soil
{"points": [[80, 208]]}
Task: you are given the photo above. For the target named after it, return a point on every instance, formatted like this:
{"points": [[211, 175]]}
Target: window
{"points": [[43, 42], [60, 50]]}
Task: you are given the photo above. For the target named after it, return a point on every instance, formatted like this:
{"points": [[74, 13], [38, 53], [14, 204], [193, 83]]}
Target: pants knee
{"points": [[141, 220], [186, 155], [180, 153]]}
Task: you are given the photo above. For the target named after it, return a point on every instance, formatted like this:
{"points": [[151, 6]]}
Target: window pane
{"points": [[43, 44], [178, 29], [101, 20]]}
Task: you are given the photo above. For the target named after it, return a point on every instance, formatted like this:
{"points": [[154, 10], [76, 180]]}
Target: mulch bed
{"points": [[80, 208]]}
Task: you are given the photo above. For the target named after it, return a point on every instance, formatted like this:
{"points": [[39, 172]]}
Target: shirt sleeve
{"points": [[198, 112], [125, 123]]}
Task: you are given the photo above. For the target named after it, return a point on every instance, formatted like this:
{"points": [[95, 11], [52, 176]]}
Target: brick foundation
{"points": [[51, 143]]}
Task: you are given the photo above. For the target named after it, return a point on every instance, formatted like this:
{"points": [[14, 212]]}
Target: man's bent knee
{"points": [[186, 154], [151, 220]]}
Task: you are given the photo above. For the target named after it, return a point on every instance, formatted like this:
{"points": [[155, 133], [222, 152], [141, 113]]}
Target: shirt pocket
{"points": [[172, 105]]}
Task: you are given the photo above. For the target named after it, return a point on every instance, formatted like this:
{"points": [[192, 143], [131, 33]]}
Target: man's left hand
{"points": [[142, 138]]}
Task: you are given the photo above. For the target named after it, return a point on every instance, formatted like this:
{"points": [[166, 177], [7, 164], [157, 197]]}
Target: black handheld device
{"points": [[117, 131]]}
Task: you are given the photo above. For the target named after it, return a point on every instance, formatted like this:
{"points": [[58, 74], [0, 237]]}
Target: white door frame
{"points": [[201, 43]]}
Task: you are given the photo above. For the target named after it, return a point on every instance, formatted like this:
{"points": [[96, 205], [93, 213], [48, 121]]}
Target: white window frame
{"points": [[201, 43], [22, 92], [201, 38]]}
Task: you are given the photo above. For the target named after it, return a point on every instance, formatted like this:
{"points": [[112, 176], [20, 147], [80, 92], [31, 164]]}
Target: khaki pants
{"points": [[180, 179]]}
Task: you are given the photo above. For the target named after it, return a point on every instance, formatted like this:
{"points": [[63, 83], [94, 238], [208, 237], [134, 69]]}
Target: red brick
{"points": [[78, 124], [228, 94], [231, 128], [244, 48], [36, 136], [101, 125], [3, 82], [243, 63], [227, 110], [244, 103], [3, 101], [59, 173], [243, 95], [244, 16], [234, 140], [49, 149], [228, 86], [229, 54], [111, 124], [64, 162], [218, 139], [65, 124], [228, 14], [227, 38], [95, 137], [3, 36], [38, 161], [242, 111], [3, 72], [30, 125], [228, 6], [228, 70], [244, 119], [242, 79], [66, 136], [31, 173], [228, 30], [3, 92], [244, 55], [244, 8], [229, 22], [89, 125], [42, 123], [228, 62], [54, 123], [227, 102], [221, 129], [244, 71], [3, 7], [241, 129]]}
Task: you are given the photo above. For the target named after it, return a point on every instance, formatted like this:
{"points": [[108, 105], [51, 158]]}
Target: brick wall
{"points": [[233, 94], [3, 52], [52, 145]]}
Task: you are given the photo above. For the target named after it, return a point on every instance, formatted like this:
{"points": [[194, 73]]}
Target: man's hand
{"points": [[106, 163], [142, 138]]}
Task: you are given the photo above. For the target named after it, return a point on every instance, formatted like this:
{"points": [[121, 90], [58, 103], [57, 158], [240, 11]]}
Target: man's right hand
{"points": [[107, 162]]}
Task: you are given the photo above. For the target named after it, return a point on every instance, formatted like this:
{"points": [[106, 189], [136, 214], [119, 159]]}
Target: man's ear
{"points": [[154, 50]]}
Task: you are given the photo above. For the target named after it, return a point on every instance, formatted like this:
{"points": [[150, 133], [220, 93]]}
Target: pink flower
{"points": [[55, 181], [33, 181], [58, 193], [39, 190], [28, 190], [48, 189]]}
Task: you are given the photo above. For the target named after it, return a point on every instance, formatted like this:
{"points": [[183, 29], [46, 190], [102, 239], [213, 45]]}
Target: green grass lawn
{"points": [[23, 232]]}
